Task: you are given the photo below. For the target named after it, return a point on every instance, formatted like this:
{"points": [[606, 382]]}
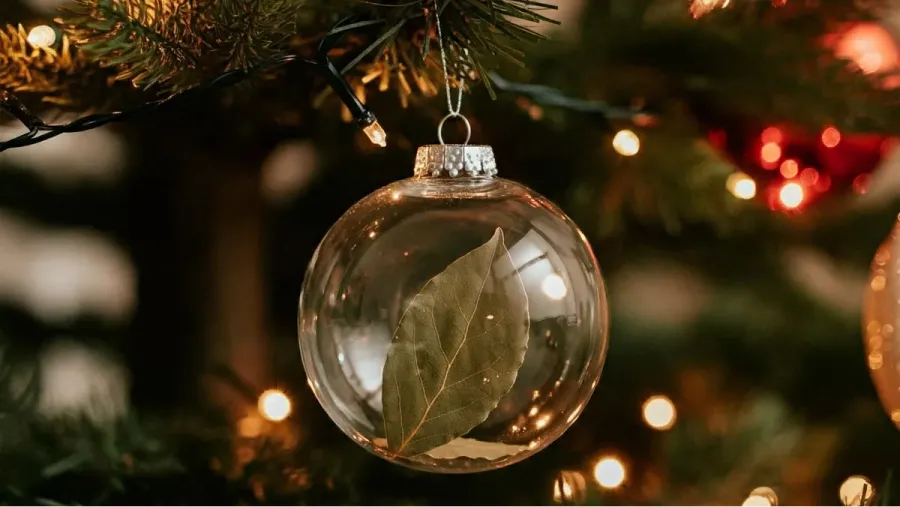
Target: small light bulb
{"points": [[791, 195], [42, 36], [609, 472], [659, 412], [274, 405], [741, 186], [857, 490], [554, 287], [376, 134], [761, 497], [626, 143]]}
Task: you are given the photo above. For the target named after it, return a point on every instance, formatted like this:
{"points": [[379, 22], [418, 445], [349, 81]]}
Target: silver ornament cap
{"points": [[455, 161]]}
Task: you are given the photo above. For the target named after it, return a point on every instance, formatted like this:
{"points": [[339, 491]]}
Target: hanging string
{"points": [[454, 111]]}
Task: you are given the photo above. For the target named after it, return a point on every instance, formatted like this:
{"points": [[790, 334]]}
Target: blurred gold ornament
{"points": [[881, 317], [857, 490], [700, 8], [609, 472], [626, 143], [569, 488], [762, 497], [274, 405]]}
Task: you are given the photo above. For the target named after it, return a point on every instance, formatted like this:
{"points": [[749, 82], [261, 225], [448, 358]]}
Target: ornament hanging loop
{"points": [[454, 110], [465, 122]]}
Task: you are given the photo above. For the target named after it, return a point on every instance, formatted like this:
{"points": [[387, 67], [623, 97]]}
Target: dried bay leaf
{"points": [[471, 448], [456, 352]]}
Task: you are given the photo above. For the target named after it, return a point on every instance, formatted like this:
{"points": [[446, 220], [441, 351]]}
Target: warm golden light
{"points": [[790, 168], [42, 36], [569, 488], [659, 412], [626, 143], [857, 490], [761, 497], [791, 195], [554, 287], [770, 153], [542, 422], [609, 472], [274, 405], [250, 426], [741, 186], [700, 8], [376, 134], [831, 137]]}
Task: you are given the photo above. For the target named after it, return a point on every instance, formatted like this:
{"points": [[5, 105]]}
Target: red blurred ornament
{"points": [[793, 167], [869, 45]]}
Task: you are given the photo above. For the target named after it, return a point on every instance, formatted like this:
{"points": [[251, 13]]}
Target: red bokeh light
{"points": [[770, 154], [870, 46], [772, 135], [790, 168], [831, 137]]}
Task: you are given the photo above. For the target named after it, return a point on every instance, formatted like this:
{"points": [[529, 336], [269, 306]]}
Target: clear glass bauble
{"points": [[453, 322], [881, 324]]}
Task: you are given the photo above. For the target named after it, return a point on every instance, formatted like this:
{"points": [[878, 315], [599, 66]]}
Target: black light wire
{"points": [[39, 131]]}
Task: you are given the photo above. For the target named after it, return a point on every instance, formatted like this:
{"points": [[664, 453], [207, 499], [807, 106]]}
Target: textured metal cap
{"points": [[455, 161]]}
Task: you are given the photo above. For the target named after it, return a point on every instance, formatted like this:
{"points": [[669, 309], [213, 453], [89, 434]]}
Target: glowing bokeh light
{"points": [[857, 490], [831, 137], [609, 472], [659, 412], [791, 195], [626, 143], [274, 405], [741, 186], [772, 135], [770, 153], [42, 36], [789, 168], [761, 497], [870, 46]]}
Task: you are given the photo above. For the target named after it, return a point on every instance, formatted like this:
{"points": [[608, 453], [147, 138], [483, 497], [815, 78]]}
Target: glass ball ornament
{"points": [[881, 324], [453, 322]]}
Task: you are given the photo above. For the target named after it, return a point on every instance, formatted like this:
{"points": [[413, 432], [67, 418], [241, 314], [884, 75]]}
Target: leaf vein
{"points": [[456, 354]]}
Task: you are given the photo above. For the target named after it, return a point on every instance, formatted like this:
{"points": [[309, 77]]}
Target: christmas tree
{"points": [[168, 168]]}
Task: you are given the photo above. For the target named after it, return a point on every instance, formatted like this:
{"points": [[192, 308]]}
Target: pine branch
{"points": [[152, 42], [252, 30], [44, 72]]}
